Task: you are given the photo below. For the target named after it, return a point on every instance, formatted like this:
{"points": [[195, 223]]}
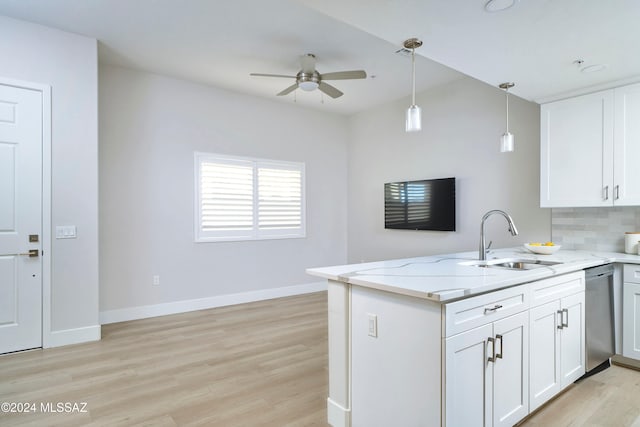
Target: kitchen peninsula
{"points": [[438, 341]]}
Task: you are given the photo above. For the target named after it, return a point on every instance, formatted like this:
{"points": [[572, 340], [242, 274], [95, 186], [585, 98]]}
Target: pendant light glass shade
{"points": [[507, 140], [414, 113], [414, 119], [507, 143]]}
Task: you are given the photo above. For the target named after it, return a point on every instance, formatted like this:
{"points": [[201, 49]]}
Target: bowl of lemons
{"points": [[543, 248]]}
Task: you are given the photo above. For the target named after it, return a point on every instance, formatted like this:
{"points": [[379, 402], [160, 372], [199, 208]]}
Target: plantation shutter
{"points": [[279, 198], [226, 197], [243, 199]]}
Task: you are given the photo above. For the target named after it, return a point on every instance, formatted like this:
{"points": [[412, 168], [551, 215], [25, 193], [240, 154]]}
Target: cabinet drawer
{"points": [[544, 291], [470, 313], [631, 273]]}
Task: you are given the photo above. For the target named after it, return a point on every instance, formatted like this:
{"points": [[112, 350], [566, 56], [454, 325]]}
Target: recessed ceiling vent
{"points": [[493, 6]]}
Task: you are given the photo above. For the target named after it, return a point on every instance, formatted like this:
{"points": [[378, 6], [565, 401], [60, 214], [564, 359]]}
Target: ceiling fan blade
{"points": [[329, 90], [308, 63], [344, 75], [289, 89], [271, 75]]}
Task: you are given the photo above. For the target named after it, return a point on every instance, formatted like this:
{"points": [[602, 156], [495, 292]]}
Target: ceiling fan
{"points": [[309, 79]]}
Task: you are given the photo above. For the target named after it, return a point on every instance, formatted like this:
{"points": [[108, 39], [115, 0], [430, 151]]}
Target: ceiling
{"points": [[219, 42]]}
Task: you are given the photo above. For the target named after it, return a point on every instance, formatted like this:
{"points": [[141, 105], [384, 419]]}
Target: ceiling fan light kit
{"points": [[507, 140], [309, 79], [413, 121]]}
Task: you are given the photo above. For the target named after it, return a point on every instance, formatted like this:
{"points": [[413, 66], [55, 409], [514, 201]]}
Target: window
{"points": [[239, 198]]}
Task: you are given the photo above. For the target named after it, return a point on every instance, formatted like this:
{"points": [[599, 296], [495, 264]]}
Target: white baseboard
{"points": [[145, 311], [73, 336], [337, 416]]}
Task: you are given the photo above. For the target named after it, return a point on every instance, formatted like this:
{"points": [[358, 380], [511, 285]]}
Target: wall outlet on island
{"points": [[156, 280], [373, 325]]}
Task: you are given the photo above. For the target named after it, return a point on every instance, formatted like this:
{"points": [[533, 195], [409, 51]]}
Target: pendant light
{"points": [[414, 114], [507, 139]]}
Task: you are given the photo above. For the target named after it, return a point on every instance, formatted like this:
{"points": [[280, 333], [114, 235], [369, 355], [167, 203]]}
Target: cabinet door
{"points": [[544, 368], [576, 151], [631, 321], [627, 146], [468, 378], [572, 336], [511, 370]]}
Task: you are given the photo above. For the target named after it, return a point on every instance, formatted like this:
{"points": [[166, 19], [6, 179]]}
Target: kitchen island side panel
{"points": [[339, 309], [395, 360]]}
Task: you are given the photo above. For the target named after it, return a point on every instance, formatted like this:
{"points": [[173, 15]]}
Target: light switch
{"points": [[373, 325], [65, 232]]}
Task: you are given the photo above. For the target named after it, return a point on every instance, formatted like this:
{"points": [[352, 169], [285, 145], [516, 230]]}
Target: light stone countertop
{"points": [[441, 278]]}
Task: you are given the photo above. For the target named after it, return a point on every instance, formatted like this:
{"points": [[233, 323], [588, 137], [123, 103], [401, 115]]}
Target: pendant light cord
{"points": [[507, 95], [413, 76]]}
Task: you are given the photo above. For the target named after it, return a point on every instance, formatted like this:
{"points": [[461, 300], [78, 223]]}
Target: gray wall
{"points": [[462, 123], [68, 63], [150, 127]]}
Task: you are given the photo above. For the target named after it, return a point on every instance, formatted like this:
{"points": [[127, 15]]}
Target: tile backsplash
{"points": [[600, 229]]}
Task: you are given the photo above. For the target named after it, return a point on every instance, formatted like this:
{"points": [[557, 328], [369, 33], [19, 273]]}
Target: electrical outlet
{"points": [[373, 325], [156, 280]]}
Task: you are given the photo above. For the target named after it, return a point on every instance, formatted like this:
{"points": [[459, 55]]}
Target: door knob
{"points": [[33, 253]]}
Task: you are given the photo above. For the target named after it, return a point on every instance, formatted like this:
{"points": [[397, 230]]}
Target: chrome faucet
{"points": [[482, 253]]}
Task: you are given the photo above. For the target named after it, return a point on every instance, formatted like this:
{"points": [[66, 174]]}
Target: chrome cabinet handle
{"points": [[493, 309], [616, 194], [565, 325], [560, 323], [493, 346], [606, 192], [499, 355]]}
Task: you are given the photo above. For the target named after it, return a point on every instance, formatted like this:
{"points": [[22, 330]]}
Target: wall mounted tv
{"points": [[421, 205]]}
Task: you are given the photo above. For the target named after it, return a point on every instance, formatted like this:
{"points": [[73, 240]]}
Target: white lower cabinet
{"points": [[631, 321], [556, 327], [572, 344], [631, 312], [486, 374], [487, 360]]}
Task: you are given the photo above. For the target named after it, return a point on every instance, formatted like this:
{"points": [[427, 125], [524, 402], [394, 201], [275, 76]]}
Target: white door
{"points": [[544, 368], [20, 218], [468, 378], [511, 370], [572, 345], [627, 146]]}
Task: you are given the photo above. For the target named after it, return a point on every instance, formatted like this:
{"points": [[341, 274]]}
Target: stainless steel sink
{"points": [[511, 263]]}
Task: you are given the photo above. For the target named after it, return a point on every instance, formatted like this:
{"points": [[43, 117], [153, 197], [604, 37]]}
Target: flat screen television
{"points": [[421, 205]]}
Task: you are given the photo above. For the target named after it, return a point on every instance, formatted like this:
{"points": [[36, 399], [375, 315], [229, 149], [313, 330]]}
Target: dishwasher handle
{"points": [[600, 271]]}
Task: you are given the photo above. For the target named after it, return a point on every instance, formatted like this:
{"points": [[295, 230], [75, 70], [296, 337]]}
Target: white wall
{"points": [[68, 63], [150, 127], [462, 123]]}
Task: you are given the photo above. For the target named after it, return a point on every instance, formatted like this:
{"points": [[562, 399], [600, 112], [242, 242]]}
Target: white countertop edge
{"points": [[447, 266]]}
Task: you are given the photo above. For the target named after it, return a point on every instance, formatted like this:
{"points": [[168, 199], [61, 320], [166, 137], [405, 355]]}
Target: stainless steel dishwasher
{"points": [[600, 337]]}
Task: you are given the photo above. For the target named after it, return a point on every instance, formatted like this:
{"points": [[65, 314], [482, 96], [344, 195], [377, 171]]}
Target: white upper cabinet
{"points": [[627, 146], [576, 151], [587, 147]]}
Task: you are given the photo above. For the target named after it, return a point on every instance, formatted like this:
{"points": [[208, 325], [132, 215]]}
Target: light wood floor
{"points": [[610, 398], [258, 364]]}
